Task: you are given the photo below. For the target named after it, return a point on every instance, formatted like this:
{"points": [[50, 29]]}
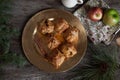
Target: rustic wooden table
{"points": [[22, 11]]}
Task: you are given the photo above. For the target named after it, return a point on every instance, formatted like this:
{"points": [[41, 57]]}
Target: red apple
{"points": [[95, 13]]}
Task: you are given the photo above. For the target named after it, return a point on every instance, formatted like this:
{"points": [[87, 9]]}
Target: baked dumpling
{"points": [[56, 58], [60, 39], [68, 50], [61, 25], [55, 41], [46, 26], [72, 35]]}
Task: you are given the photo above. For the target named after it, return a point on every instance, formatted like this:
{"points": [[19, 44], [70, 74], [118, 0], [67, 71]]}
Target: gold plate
{"points": [[28, 42]]}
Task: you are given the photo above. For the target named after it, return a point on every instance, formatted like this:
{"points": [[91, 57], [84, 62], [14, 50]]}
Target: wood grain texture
{"points": [[22, 11]]}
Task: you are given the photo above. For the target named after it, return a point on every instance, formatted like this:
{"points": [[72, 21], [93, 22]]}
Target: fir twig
{"points": [[102, 65], [6, 33], [13, 58]]}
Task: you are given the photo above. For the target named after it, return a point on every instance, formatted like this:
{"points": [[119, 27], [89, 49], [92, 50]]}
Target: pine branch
{"points": [[102, 65], [6, 33], [13, 58]]}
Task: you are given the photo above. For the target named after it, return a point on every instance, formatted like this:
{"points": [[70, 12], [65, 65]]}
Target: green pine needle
{"points": [[13, 58], [102, 65], [6, 34]]}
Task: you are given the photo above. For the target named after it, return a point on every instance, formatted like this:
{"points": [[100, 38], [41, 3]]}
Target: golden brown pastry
{"points": [[46, 27], [59, 38], [61, 25], [72, 35], [68, 50], [55, 41], [56, 58]]}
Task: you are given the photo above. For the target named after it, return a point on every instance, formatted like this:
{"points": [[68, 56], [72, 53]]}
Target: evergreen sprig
{"points": [[102, 65], [6, 33]]}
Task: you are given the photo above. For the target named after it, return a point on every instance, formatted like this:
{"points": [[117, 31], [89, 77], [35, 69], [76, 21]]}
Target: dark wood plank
{"points": [[22, 11]]}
